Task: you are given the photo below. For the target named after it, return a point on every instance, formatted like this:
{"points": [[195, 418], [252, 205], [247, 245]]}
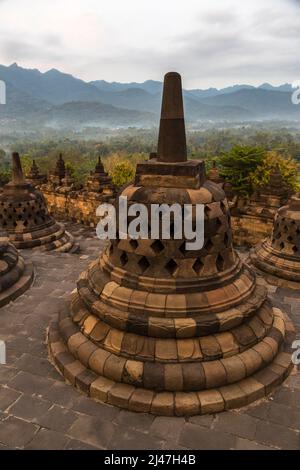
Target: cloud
{"points": [[211, 43]]}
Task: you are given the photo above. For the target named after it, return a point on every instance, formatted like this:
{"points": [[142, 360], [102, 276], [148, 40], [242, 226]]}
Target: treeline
{"points": [[121, 151]]}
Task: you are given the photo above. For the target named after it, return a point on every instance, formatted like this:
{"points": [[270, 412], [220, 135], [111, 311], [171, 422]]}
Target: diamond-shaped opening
{"points": [[171, 267], [123, 258], [220, 263], [290, 238], [207, 210], [218, 223], [226, 240], [157, 246], [223, 207], [295, 249], [281, 245], [134, 244], [209, 245], [143, 264], [197, 266]]}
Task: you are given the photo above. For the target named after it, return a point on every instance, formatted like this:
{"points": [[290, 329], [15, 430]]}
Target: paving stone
{"points": [[29, 408], [276, 435], [284, 415], [93, 431], [62, 394], [46, 439], [57, 419], [139, 421], [127, 439], [35, 365], [259, 411], [30, 383], [73, 444], [197, 437], [167, 428], [96, 409], [237, 424], [245, 444], [15, 432], [287, 396], [203, 420], [7, 397]]}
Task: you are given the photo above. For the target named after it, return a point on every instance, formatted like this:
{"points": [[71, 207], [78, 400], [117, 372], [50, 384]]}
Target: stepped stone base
{"points": [[275, 269], [232, 381], [21, 285], [54, 238]]}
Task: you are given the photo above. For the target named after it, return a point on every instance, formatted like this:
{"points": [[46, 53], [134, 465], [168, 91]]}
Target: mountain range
{"points": [[58, 99]]}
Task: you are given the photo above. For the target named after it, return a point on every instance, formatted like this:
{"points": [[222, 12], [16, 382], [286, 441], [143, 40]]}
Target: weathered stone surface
{"points": [[173, 330], [278, 257], [25, 216]]}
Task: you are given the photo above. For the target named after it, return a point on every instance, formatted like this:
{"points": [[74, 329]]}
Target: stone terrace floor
{"points": [[38, 410]]}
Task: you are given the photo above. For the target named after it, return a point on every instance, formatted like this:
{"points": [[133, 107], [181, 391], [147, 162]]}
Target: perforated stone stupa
{"points": [[278, 257], [34, 175], [15, 275], [25, 218], [155, 328], [99, 182], [252, 219]]}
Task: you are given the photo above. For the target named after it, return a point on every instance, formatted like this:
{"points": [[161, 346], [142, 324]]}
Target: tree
{"points": [[273, 160], [238, 164], [121, 173]]}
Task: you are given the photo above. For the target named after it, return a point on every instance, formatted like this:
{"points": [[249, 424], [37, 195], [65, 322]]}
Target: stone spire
{"points": [[60, 167], [172, 139], [17, 172], [99, 182], [34, 175], [278, 257], [24, 215], [156, 327]]}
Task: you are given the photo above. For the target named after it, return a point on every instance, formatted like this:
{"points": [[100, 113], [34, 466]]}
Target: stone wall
{"points": [[249, 230], [75, 206]]}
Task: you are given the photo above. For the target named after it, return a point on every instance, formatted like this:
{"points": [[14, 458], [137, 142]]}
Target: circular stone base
{"points": [[55, 238], [268, 277], [166, 403], [18, 287]]}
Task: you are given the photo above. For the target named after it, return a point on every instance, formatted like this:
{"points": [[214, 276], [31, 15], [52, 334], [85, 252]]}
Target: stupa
{"points": [[99, 182], [154, 327], [15, 274], [214, 175], [34, 175], [278, 257], [25, 218], [56, 178], [252, 219]]}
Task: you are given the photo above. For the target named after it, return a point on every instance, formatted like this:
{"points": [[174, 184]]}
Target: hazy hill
{"points": [[58, 98], [262, 103]]}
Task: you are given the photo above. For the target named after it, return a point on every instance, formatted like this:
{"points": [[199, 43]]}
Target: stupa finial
{"points": [[17, 172], [172, 139]]}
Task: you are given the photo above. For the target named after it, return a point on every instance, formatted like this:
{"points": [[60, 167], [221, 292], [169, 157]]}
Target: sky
{"points": [[212, 43]]}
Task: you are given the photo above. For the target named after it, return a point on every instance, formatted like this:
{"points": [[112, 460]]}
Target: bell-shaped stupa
{"points": [[278, 257], [25, 217], [156, 327], [99, 182], [15, 274], [34, 175]]}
